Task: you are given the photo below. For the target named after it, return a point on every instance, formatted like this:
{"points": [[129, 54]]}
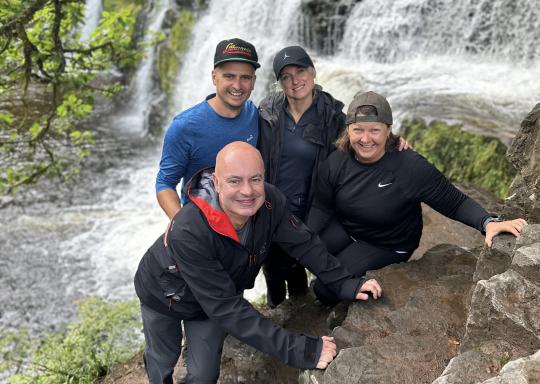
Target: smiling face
{"points": [[239, 181], [234, 82], [368, 140], [297, 82]]}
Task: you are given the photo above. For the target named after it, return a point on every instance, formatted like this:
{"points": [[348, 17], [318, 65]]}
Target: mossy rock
{"points": [[171, 53], [462, 156]]}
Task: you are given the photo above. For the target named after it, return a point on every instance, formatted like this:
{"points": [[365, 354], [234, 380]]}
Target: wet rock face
{"points": [[323, 23]]}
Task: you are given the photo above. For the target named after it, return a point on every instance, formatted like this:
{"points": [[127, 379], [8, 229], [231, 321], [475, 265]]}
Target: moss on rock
{"points": [[462, 156], [171, 53]]}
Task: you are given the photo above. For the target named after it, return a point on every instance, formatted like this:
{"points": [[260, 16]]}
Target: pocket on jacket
{"points": [[172, 284]]}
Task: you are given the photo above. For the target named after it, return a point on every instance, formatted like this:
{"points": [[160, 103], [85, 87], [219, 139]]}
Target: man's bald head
{"points": [[239, 181], [231, 153]]}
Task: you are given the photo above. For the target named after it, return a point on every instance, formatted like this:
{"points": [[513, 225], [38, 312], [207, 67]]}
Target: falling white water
{"points": [[474, 62], [92, 14], [388, 31], [133, 118], [264, 23]]}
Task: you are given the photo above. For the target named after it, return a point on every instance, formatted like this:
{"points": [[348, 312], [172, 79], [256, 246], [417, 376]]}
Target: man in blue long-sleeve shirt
{"points": [[197, 134]]}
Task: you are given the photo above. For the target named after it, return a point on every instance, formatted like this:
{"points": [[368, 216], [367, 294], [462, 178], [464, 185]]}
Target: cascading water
{"points": [[475, 62], [133, 118], [92, 14], [385, 31], [409, 51]]}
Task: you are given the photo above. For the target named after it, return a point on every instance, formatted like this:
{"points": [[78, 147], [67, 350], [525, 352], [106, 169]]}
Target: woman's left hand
{"points": [[493, 228]]}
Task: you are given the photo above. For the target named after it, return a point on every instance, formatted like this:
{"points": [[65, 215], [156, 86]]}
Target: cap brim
{"points": [[298, 64], [254, 63]]}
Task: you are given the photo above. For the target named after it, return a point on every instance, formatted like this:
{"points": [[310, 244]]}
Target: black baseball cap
{"points": [[236, 50], [384, 112], [293, 55]]}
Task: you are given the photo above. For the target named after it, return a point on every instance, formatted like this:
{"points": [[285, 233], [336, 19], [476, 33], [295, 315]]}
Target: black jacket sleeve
{"points": [[432, 187], [302, 244], [216, 293], [322, 209]]}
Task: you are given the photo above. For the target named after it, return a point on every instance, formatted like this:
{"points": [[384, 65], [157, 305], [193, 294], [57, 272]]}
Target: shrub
{"points": [[462, 156], [106, 334]]}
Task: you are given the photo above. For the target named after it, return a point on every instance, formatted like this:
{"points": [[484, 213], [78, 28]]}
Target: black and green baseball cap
{"points": [[236, 50]]}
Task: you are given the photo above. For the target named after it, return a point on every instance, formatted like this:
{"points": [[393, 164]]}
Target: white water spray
{"points": [[133, 119], [92, 14]]}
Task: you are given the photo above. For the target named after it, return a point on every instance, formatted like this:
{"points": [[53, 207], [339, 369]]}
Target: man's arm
{"points": [[217, 294], [169, 201], [172, 166]]}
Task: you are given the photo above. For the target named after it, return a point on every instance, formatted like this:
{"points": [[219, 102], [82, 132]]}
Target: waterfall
{"points": [[92, 14], [473, 62], [264, 23], [388, 31], [133, 118]]}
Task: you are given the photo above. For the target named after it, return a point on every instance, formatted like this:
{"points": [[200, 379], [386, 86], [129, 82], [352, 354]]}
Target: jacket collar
{"points": [[203, 194]]}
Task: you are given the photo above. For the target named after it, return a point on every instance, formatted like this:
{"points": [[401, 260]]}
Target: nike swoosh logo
{"points": [[383, 185], [249, 138]]}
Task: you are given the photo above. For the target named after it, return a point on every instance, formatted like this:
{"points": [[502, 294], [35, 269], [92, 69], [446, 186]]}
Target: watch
{"points": [[489, 219]]}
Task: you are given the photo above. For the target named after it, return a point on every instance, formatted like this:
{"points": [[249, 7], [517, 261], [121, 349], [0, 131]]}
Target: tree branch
{"points": [[23, 17]]}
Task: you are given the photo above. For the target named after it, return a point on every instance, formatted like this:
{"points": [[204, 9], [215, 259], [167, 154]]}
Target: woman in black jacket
{"points": [[298, 127]]}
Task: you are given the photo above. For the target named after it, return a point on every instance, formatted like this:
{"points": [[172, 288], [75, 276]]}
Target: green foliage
{"points": [[116, 5], [462, 156], [170, 55], [107, 334], [48, 80]]}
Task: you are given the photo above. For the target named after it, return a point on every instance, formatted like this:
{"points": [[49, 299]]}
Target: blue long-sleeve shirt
{"points": [[194, 138]]}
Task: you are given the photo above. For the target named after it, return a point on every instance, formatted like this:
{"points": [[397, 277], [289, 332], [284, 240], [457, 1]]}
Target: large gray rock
{"points": [[529, 235], [526, 262], [522, 371], [496, 259], [524, 193], [469, 367], [504, 317], [411, 333]]}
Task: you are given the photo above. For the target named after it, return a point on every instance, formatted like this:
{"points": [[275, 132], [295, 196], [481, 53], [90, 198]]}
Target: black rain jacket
{"points": [[323, 133]]}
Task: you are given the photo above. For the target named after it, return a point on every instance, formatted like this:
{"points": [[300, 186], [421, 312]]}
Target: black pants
{"points": [[356, 256], [163, 337], [279, 268]]}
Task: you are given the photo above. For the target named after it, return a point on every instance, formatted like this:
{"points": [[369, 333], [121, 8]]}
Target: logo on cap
{"points": [[233, 49], [285, 56]]}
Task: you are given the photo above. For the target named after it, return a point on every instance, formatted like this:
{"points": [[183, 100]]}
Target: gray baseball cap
{"points": [[384, 112]]}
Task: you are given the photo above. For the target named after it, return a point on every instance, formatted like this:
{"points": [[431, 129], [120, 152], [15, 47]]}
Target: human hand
{"points": [[493, 228], [404, 144], [328, 352], [372, 286]]}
